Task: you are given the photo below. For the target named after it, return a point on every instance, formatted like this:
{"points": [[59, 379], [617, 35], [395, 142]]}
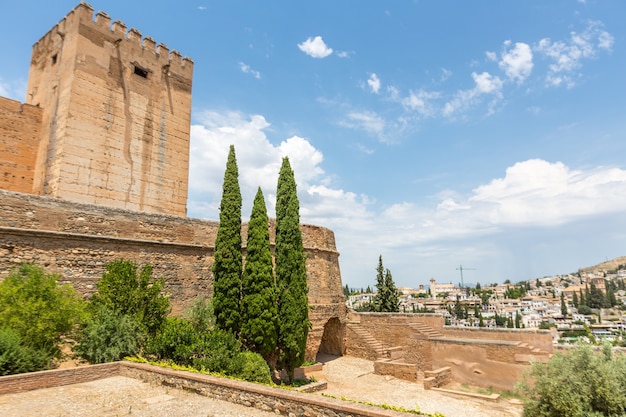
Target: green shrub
{"points": [[219, 352], [126, 291], [201, 315], [16, 358], [254, 368], [579, 383], [176, 341], [109, 336], [38, 309]]}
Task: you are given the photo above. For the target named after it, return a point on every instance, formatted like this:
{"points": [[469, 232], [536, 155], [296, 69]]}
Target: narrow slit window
{"points": [[141, 72], [54, 58]]}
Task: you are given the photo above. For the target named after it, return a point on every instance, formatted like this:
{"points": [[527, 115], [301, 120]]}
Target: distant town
{"points": [[588, 305]]}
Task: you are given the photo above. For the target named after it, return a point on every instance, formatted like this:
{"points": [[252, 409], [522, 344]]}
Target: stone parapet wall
{"points": [[400, 370], [280, 401]]}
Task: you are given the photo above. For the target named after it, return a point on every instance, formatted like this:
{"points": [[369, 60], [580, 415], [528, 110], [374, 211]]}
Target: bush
{"points": [[16, 358], [109, 336], [201, 315], [38, 309], [254, 368], [125, 291], [576, 384], [176, 341], [219, 352]]}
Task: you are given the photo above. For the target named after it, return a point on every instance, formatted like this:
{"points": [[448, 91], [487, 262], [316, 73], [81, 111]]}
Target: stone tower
{"points": [[116, 116]]}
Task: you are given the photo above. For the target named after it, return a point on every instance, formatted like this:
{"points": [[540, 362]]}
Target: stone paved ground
{"points": [[347, 377]]}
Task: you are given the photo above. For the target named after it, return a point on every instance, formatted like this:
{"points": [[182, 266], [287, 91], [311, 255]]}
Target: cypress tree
{"points": [[381, 290], [293, 306], [392, 302], [227, 258], [259, 328]]}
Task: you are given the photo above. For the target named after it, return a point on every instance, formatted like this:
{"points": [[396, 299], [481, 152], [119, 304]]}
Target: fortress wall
{"points": [[20, 132], [77, 240]]}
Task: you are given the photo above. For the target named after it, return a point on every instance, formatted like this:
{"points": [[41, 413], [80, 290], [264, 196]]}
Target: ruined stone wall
{"points": [[541, 339], [77, 240], [20, 133], [117, 111]]}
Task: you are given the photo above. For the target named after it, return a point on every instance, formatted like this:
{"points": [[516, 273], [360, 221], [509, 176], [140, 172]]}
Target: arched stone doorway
{"points": [[332, 338]]}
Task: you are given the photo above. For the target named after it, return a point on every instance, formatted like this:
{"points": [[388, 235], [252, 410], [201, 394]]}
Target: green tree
{"points": [[293, 307], [563, 305], [227, 264], [579, 383], [126, 291], [575, 299], [386, 299], [38, 309], [259, 326]]}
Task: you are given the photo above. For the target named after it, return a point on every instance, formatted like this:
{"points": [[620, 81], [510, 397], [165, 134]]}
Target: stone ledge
{"points": [[485, 397]]}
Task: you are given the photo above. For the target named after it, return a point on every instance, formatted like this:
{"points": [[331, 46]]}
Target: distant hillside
{"points": [[605, 266]]}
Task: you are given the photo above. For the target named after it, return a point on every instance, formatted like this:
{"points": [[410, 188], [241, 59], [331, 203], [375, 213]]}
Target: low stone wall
{"points": [[437, 378], [277, 400], [406, 371], [56, 377]]}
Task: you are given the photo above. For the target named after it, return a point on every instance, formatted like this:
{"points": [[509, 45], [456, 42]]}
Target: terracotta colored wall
{"points": [[20, 131]]}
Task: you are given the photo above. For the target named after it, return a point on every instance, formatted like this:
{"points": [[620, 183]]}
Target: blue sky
{"points": [[437, 133]]}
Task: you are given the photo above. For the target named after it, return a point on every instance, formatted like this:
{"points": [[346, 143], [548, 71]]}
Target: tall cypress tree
{"points": [[227, 258], [293, 308], [381, 290], [392, 303], [259, 327]]}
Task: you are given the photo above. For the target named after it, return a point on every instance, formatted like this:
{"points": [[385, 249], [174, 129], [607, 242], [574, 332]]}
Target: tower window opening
{"points": [[141, 72], [54, 58]]}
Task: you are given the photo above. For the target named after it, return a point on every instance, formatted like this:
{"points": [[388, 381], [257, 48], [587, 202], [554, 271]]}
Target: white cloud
{"points": [[374, 83], [491, 56], [343, 54], [567, 56], [517, 62], [315, 47], [368, 121], [246, 69], [485, 84], [421, 102], [441, 230]]}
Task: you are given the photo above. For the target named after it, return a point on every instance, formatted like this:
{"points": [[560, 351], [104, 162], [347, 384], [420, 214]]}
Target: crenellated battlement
{"points": [[116, 32]]}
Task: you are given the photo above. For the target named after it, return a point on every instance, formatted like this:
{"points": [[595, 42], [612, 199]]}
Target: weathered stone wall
{"points": [[20, 135], [541, 339], [117, 111], [77, 240]]}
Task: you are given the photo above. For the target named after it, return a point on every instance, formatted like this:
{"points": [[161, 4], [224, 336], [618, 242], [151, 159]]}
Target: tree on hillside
{"points": [[563, 305], [293, 305], [386, 299], [227, 263], [259, 327]]}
